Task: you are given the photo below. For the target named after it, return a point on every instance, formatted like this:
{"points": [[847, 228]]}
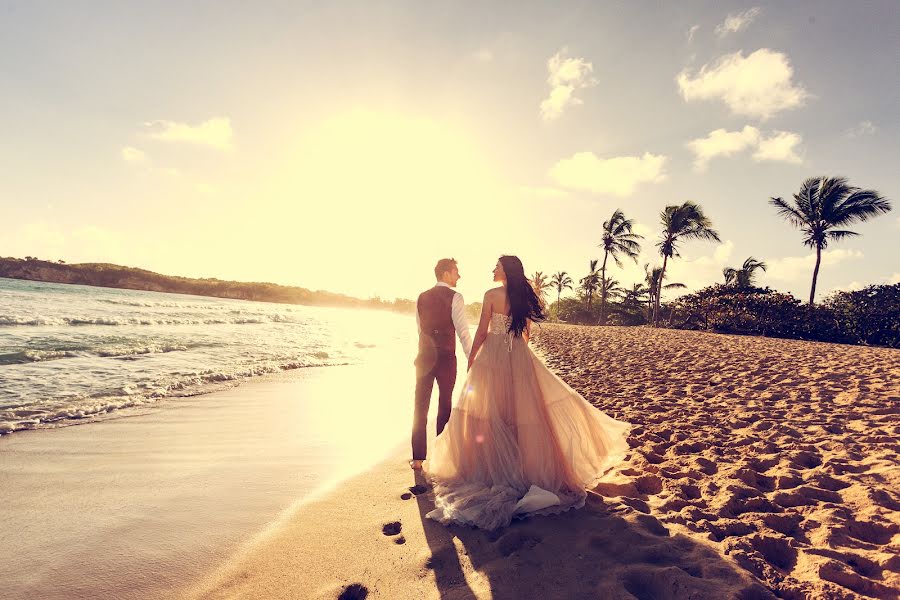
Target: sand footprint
{"points": [[392, 528], [354, 591], [515, 541]]}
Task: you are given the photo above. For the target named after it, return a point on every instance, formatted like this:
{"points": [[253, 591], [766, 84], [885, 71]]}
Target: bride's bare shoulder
{"points": [[496, 292]]}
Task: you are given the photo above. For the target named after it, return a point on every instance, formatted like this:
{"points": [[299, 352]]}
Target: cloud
{"points": [[567, 75], [778, 146], [781, 146], [133, 155], [759, 85], [796, 268], [215, 132], [862, 129], [720, 142], [736, 22], [617, 176], [691, 32], [854, 285], [698, 272]]}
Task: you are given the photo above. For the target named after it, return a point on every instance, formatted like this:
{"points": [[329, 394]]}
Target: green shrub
{"points": [[868, 316]]}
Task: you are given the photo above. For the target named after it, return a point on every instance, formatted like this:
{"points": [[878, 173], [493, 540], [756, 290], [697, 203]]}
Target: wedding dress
{"points": [[520, 441]]}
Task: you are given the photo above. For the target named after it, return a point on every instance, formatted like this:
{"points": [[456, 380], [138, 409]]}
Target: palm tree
{"points": [[590, 282], [618, 238], [823, 204], [561, 281], [635, 295], [685, 222], [611, 288], [539, 283], [743, 277], [652, 278]]}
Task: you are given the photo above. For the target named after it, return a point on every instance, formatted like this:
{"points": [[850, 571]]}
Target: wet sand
{"points": [[142, 504]]}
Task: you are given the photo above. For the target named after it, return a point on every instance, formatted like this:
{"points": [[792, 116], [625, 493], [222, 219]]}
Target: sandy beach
{"points": [[759, 468]]}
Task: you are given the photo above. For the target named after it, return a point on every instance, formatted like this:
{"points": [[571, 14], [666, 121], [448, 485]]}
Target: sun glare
{"points": [[378, 185]]}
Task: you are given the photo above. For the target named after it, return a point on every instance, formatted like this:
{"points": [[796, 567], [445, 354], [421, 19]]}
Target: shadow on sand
{"points": [[603, 551]]}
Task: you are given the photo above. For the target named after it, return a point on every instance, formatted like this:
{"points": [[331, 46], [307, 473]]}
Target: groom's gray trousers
{"points": [[431, 367]]}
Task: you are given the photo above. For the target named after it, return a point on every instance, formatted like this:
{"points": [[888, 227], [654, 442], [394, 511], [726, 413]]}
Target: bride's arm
{"points": [[481, 331], [527, 333]]}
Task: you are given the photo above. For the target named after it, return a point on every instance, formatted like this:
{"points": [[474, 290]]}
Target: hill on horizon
{"points": [[132, 278]]}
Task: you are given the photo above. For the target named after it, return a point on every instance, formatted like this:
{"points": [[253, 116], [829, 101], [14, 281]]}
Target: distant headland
{"points": [[117, 276]]}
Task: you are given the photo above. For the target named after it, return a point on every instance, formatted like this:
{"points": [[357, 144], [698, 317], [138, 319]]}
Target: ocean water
{"points": [[71, 352]]}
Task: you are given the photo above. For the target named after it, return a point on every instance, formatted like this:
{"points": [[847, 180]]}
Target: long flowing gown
{"points": [[520, 441]]}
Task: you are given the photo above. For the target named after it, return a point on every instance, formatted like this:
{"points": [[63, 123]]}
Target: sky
{"points": [[348, 145]]}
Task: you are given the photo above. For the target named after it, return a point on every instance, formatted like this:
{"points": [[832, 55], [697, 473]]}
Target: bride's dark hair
{"points": [[524, 304]]}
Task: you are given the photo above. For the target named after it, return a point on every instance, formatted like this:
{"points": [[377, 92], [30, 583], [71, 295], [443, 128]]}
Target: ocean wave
{"points": [[159, 304], [83, 410], [114, 351], [27, 321], [12, 321], [73, 353], [118, 351], [130, 396], [29, 356]]}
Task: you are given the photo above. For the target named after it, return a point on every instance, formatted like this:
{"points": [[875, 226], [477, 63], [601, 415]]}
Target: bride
{"points": [[520, 442]]}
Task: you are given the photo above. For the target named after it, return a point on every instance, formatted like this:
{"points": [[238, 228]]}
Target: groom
{"points": [[440, 312]]}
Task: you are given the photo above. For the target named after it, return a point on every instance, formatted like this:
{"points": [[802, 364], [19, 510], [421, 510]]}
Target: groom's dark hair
{"points": [[443, 266]]}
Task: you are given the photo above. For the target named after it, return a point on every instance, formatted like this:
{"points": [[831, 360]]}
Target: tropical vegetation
{"points": [[822, 210]]}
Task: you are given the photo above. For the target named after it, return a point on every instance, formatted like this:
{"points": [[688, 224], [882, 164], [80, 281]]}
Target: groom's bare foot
{"points": [[416, 465]]}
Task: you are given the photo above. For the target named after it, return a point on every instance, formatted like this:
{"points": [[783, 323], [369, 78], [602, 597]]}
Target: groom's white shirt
{"points": [[458, 312]]}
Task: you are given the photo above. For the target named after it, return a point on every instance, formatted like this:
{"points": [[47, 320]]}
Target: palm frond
{"points": [[858, 206], [839, 234], [794, 216]]}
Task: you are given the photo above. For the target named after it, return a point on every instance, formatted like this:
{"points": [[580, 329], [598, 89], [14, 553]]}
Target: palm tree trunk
{"points": [[812, 291], [603, 289], [558, 293], [659, 285]]}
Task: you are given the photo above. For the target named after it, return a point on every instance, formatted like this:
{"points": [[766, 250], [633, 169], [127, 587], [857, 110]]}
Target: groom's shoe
{"points": [[416, 465]]}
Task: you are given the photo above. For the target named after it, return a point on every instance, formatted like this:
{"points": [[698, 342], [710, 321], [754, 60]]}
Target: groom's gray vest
{"points": [[436, 331]]}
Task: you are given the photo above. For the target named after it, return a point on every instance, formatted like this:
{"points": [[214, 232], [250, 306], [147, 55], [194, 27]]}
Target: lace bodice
{"points": [[499, 323]]}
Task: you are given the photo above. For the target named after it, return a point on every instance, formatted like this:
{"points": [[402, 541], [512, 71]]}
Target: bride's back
{"points": [[500, 301]]}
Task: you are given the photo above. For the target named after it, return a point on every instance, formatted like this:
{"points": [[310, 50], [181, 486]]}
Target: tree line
{"points": [[822, 210]]}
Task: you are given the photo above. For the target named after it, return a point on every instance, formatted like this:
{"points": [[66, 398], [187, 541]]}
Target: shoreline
{"points": [[146, 405], [143, 504]]}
